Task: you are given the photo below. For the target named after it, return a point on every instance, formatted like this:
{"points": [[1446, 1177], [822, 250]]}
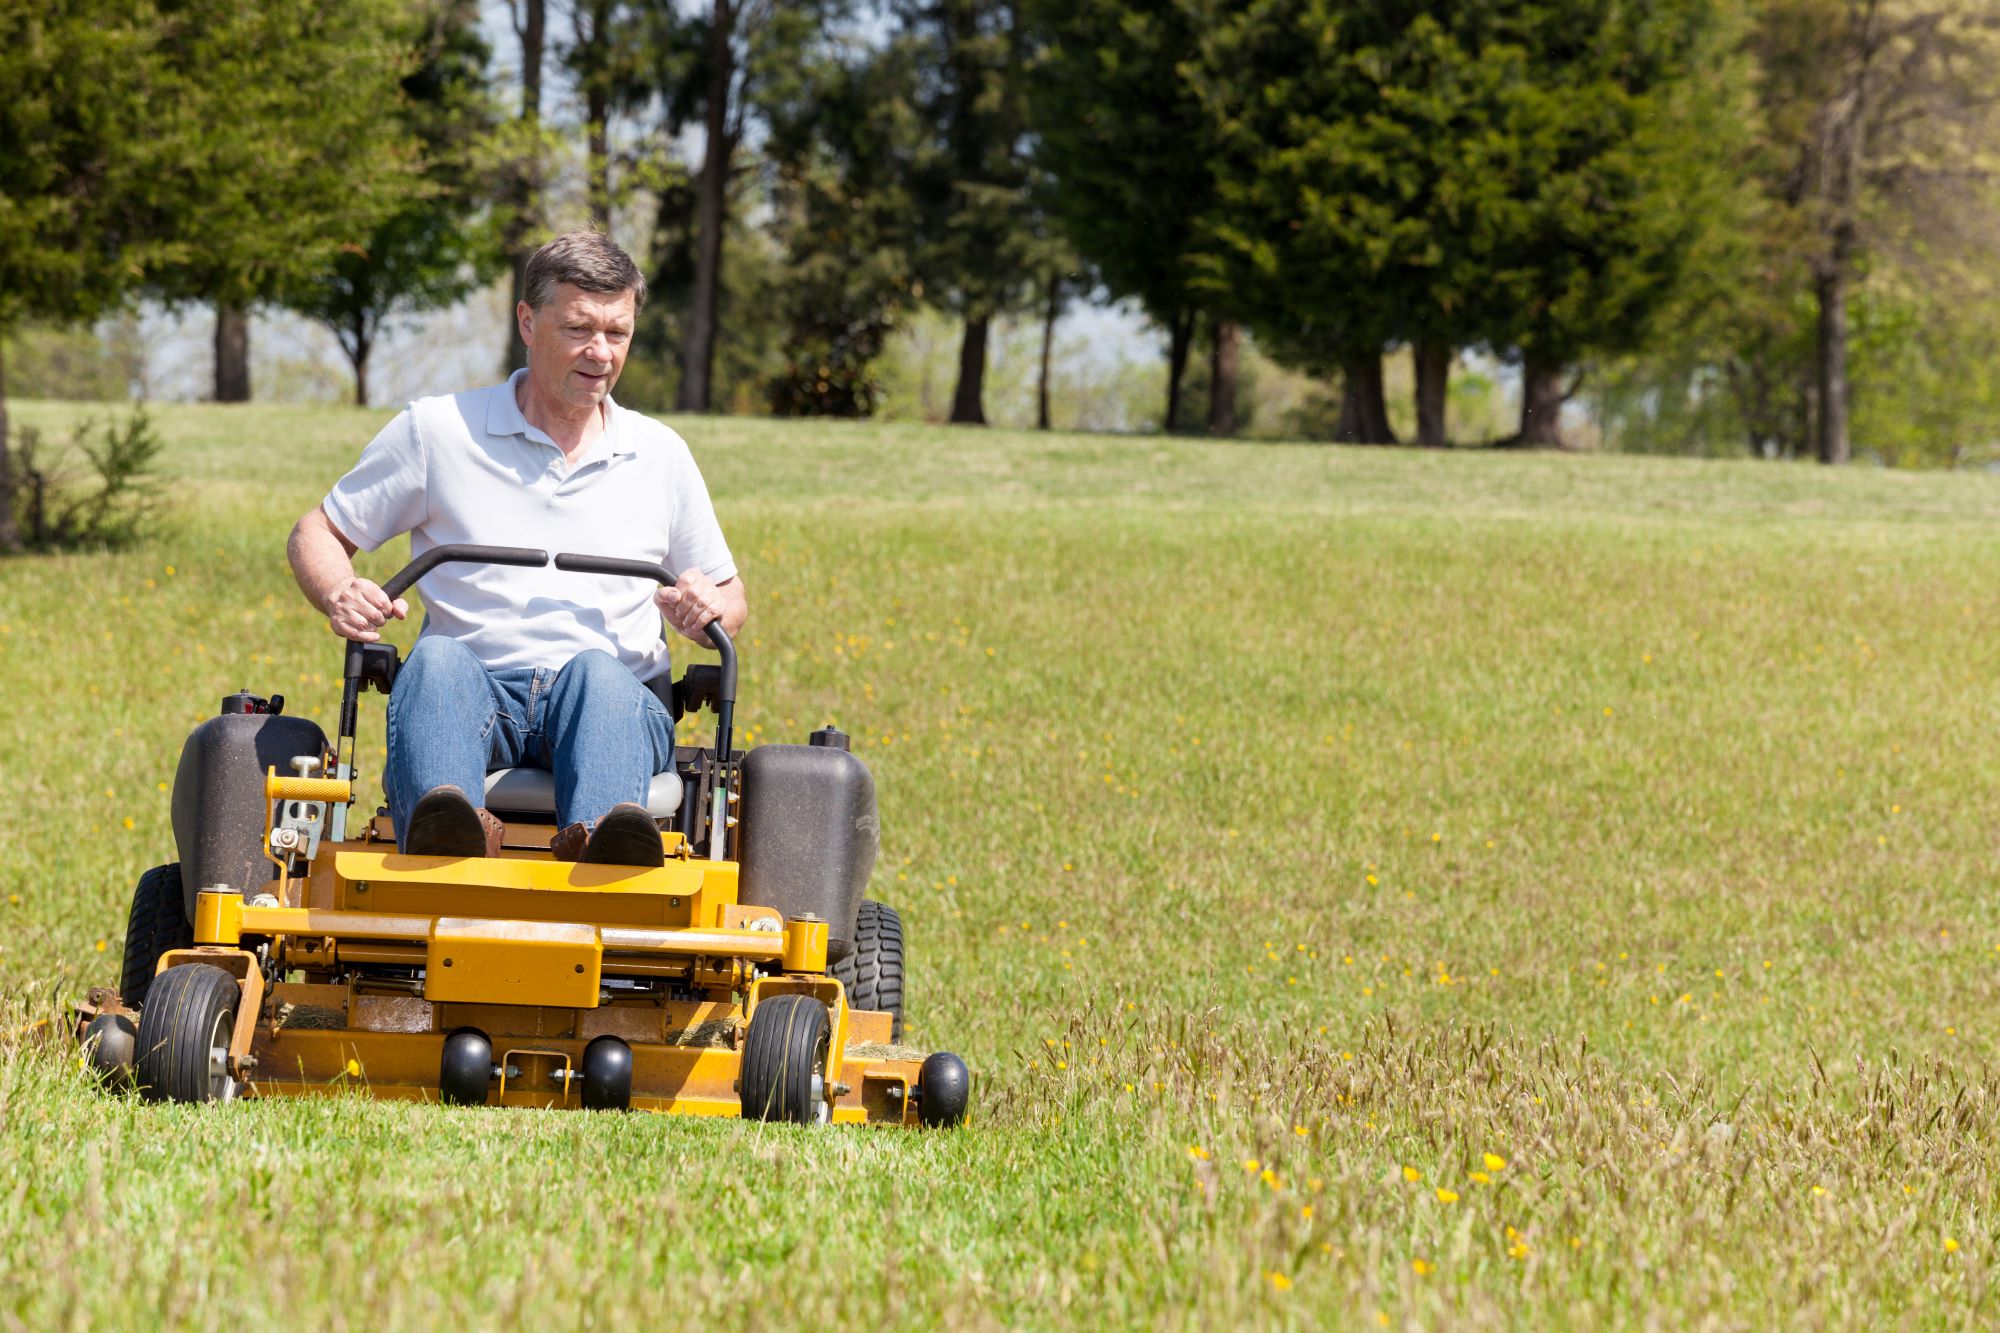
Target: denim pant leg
{"points": [[442, 727], [604, 736]]}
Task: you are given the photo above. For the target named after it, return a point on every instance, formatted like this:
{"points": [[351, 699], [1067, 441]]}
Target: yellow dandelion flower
{"points": [[1480, 1178], [1421, 1267], [101, 945], [1950, 1245], [1279, 1280], [1495, 1162], [1269, 1177], [1199, 1153], [1300, 1130], [1447, 1196], [1411, 1174], [1306, 1213], [354, 1069], [1251, 1165]]}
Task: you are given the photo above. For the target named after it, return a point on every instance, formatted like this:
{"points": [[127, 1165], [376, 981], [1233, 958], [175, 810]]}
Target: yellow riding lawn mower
{"points": [[293, 950]]}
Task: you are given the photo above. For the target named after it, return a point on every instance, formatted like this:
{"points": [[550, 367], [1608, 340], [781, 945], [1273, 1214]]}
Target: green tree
{"points": [[442, 243], [843, 148], [295, 136], [1883, 113], [976, 233], [90, 182], [1508, 172], [1121, 131]]}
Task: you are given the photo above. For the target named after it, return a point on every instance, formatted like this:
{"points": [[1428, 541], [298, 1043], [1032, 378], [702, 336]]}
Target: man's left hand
{"points": [[690, 604]]}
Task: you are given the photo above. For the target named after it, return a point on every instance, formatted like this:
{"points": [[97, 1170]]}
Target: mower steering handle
{"points": [[525, 556], [660, 574]]}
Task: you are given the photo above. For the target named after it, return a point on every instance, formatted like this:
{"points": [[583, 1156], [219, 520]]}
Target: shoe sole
{"points": [[624, 838], [445, 825]]}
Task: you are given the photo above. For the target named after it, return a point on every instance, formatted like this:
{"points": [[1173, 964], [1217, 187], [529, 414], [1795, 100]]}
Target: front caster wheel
{"points": [[784, 1061], [184, 1033]]}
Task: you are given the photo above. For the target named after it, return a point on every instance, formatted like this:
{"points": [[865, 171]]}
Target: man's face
{"points": [[577, 343]]}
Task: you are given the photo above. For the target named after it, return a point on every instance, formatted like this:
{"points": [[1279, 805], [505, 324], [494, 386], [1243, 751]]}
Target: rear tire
{"points": [[157, 923], [784, 1061], [872, 973], [184, 1034]]}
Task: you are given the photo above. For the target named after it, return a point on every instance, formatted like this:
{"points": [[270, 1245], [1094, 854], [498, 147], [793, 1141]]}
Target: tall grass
{"points": [[1368, 885]]}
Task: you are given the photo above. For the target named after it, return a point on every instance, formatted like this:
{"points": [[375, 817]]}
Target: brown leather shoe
{"points": [[626, 836], [445, 823]]}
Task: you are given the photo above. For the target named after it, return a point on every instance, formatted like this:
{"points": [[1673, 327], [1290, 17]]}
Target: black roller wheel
{"points": [[111, 1041], [158, 922], [944, 1087], [607, 1075], [184, 1033], [784, 1061], [872, 972], [466, 1068]]}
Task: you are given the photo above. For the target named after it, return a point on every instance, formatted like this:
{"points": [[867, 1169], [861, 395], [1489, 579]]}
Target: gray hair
{"points": [[585, 259]]}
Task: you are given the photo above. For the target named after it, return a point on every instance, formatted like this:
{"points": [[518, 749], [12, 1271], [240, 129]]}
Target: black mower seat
{"points": [[532, 791]]}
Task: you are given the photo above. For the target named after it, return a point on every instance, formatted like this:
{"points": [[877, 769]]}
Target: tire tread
{"points": [[156, 924], [174, 1031], [872, 973]]}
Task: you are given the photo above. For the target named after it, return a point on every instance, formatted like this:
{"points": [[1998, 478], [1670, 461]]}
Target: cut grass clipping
{"points": [[1369, 887]]}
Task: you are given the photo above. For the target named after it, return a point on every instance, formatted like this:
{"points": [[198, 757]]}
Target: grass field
{"points": [[1371, 887]]}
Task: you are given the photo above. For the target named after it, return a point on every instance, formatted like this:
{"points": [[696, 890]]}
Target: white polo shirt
{"points": [[468, 467]]}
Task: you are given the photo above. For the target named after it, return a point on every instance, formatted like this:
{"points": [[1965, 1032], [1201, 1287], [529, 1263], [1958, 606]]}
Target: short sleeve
{"points": [[694, 541], [385, 494]]}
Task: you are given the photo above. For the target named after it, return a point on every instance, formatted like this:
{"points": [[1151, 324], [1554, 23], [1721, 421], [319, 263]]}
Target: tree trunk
{"points": [[967, 401], [524, 188], [1180, 335], [358, 358], [597, 108], [599, 166], [232, 353], [1830, 285], [1433, 368], [10, 531], [1223, 340], [1542, 399], [1051, 308], [1364, 407], [698, 352]]}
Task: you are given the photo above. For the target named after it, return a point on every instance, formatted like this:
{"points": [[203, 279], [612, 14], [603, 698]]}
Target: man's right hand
{"points": [[359, 608]]}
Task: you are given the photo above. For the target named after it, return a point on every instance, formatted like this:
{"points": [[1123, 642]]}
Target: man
{"points": [[531, 666]]}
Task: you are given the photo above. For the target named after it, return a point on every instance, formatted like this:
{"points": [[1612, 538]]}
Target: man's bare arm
{"points": [[323, 563]]}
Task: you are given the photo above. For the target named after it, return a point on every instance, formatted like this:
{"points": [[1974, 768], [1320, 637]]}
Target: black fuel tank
{"points": [[219, 796], [809, 834]]}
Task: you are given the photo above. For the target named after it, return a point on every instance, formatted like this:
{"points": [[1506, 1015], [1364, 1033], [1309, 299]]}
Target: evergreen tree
{"points": [[89, 190], [975, 226], [843, 149], [1506, 172], [293, 131], [443, 242], [1121, 131]]}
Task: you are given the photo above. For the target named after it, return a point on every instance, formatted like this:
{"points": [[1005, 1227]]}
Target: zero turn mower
{"points": [[293, 950]]}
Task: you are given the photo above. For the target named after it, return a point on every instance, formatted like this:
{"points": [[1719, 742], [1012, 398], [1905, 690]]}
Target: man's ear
{"points": [[524, 320]]}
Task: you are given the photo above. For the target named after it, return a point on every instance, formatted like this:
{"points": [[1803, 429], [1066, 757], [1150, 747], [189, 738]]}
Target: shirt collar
{"points": [[503, 417]]}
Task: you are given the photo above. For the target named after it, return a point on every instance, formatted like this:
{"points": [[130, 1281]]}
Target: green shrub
{"points": [[108, 503]]}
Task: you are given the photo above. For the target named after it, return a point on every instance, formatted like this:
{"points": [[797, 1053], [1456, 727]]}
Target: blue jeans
{"points": [[591, 723]]}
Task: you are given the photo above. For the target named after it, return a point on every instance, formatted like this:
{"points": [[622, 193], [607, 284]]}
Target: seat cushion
{"points": [[532, 791]]}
